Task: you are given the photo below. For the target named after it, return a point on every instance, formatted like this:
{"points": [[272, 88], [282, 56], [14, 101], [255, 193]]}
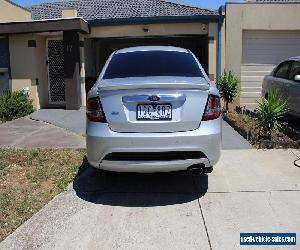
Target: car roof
{"points": [[294, 58], [151, 48]]}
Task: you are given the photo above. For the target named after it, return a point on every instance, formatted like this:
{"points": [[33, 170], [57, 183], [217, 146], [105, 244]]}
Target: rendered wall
{"points": [[27, 85], [255, 17], [12, 13], [251, 16], [153, 30], [28, 67]]}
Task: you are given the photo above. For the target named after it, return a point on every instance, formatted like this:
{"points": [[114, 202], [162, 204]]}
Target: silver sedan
{"points": [[286, 79], [153, 109]]}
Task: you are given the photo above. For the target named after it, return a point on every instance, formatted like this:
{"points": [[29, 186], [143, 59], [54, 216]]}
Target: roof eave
{"points": [[52, 25], [149, 20]]}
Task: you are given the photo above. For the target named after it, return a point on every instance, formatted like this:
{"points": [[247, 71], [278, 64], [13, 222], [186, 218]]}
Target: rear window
{"points": [[152, 63]]}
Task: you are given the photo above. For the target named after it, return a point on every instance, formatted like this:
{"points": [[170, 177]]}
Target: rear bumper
{"points": [[102, 141]]}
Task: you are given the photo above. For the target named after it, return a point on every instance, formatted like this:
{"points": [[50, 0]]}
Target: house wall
{"points": [[12, 13], [9, 13], [250, 16], [171, 29], [28, 64], [153, 30], [28, 67], [254, 17]]}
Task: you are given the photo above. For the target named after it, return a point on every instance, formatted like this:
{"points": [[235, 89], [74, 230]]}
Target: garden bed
{"points": [[245, 125]]}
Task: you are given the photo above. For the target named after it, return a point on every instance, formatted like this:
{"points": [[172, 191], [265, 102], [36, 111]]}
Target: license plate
{"points": [[154, 112]]}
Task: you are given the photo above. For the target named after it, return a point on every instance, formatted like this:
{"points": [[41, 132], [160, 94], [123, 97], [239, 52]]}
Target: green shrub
{"points": [[228, 85], [269, 112], [14, 105]]}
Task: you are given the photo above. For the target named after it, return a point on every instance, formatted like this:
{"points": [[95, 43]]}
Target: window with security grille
{"points": [[56, 71]]}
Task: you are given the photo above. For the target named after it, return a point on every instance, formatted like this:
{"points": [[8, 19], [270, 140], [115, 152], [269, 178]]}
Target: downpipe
{"points": [[219, 44]]}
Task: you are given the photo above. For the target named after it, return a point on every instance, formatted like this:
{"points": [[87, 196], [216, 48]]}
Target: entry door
{"points": [[56, 81]]}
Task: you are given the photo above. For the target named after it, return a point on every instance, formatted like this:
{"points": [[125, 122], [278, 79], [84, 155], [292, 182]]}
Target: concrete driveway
{"points": [[72, 120], [249, 191], [27, 133]]}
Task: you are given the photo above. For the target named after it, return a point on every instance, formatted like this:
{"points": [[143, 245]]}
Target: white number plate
{"points": [[154, 112]]}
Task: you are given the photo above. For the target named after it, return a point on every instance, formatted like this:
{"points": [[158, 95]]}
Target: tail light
{"points": [[213, 108], [94, 110]]}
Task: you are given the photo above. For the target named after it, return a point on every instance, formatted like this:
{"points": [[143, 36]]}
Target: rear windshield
{"points": [[152, 63]]}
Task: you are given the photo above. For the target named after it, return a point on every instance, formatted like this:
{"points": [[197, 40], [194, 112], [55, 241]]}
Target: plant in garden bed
{"points": [[228, 85], [246, 125], [14, 105], [269, 111]]}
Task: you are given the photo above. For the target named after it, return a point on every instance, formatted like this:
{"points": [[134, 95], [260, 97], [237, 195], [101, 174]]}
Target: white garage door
{"points": [[262, 51]]}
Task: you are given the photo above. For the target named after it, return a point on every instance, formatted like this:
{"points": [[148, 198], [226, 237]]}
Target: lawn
{"points": [[29, 179]]}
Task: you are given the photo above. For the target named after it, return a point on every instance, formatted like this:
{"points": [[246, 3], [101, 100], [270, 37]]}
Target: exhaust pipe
{"points": [[196, 169]]}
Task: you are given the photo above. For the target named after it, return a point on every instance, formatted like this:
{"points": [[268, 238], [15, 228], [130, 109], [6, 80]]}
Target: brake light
{"points": [[213, 108], [94, 110]]}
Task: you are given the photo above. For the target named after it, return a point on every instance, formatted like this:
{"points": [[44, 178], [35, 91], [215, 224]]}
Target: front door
{"points": [[56, 81]]}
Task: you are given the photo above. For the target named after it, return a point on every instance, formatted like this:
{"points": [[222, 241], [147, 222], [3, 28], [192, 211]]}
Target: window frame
{"points": [[288, 70], [292, 79]]}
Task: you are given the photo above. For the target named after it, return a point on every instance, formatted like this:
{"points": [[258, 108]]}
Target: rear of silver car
{"points": [[153, 123]]}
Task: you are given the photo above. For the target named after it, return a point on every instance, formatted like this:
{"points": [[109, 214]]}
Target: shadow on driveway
{"points": [[137, 190]]}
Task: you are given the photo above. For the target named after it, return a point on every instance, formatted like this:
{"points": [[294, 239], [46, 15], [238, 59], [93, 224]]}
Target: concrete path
{"points": [[232, 139], [249, 191], [26, 133], [72, 120]]}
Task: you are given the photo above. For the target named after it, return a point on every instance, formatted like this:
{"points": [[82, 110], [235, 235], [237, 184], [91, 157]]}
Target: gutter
{"points": [[219, 45]]}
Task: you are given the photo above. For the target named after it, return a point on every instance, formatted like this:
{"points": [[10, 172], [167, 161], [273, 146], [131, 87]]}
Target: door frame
{"points": [[48, 74]]}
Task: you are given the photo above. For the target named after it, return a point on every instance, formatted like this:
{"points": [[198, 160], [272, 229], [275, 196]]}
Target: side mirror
{"points": [[297, 78]]}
